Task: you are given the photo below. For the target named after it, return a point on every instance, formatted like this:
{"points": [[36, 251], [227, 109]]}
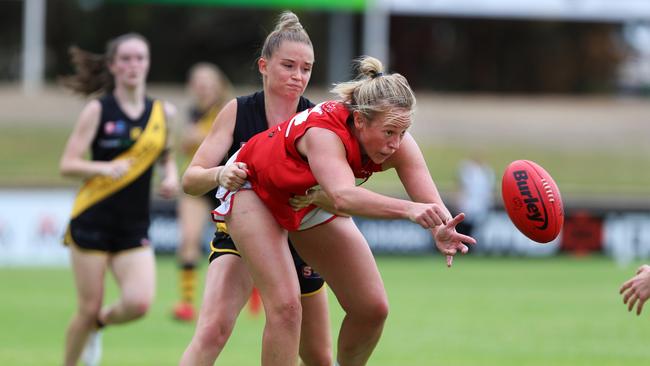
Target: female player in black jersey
{"points": [[210, 90], [126, 133], [285, 64]]}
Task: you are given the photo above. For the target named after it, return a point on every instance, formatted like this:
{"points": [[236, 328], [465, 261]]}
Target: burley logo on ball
{"points": [[530, 201]]}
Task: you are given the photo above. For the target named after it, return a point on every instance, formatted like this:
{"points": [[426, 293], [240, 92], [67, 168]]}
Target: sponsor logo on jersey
{"points": [[135, 132], [308, 272], [116, 127], [109, 127], [120, 127]]}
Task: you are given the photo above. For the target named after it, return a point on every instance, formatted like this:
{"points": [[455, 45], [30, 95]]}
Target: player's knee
{"points": [[137, 307], [214, 335], [90, 309], [319, 356], [378, 311], [286, 313], [372, 313]]}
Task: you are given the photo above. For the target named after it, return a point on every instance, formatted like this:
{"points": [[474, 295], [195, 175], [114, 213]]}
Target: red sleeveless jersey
{"points": [[278, 172]]}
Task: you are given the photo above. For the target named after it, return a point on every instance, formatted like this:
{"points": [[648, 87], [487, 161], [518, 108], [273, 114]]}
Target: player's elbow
{"points": [[65, 168], [342, 200], [191, 184]]}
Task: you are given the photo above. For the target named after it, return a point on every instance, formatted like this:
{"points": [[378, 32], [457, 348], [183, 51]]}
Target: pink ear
{"points": [[261, 65], [358, 119]]}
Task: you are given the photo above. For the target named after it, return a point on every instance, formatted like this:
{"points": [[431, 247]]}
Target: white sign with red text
{"points": [[32, 224]]}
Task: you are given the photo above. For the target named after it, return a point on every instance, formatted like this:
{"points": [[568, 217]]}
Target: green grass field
{"points": [[483, 311]]}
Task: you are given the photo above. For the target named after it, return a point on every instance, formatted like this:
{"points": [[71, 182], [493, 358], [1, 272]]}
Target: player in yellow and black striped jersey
{"points": [[118, 221], [126, 133], [210, 90]]}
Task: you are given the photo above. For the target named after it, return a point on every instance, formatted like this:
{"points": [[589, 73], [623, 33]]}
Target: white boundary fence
{"points": [[32, 224]]}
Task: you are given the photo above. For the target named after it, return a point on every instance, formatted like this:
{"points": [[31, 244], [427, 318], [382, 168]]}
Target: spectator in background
{"points": [[636, 290], [210, 90], [126, 133], [475, 193]]}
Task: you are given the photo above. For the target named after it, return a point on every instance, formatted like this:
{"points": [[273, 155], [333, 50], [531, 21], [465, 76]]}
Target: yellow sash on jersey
{"points": [[142, 154], [204, 123], [221, 227]]}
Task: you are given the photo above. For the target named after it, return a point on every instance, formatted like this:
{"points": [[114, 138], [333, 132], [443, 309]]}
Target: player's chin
{"points": [[294, 92], [380, 158]]}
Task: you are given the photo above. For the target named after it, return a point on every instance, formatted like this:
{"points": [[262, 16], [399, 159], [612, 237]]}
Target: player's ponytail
{"points": [[91, 75], [373, 92], [287, 28], [91, 69]]}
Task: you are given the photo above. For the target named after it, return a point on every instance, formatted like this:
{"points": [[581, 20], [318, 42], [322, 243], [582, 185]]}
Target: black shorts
{"points": [[107, 238], [310, 281]]}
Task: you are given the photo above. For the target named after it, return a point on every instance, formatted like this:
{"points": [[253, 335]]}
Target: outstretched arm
{"points": [[327, 160], [414, 174]]}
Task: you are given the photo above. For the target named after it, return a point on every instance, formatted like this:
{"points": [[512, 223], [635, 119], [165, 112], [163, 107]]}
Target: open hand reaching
{"points": [[449, 241]]}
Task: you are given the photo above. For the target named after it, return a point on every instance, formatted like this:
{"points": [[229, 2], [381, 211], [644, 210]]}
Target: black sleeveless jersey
{"points": [[115, 134], [251, 119]]}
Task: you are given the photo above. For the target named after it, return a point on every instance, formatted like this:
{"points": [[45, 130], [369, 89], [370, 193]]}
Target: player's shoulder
{"points": [[230, 108], [332, 106], [227, 116], [93, 107], [231, 104], [330, 112], [94, 104], [250, 99]]}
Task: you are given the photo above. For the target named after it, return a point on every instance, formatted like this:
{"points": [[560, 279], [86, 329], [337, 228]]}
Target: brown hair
{"points": [[91, 72]]}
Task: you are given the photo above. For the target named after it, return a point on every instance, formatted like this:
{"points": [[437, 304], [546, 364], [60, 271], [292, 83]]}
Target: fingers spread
{"points": [[625, 286], [633, 301], [464, 238], [450, 251], [627, 296], [456, 220], [639, 307]]}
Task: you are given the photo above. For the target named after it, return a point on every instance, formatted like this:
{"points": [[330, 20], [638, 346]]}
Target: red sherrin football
{"points": [[532, 200]]}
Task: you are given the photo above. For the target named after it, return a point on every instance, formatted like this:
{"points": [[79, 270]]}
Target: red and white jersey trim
{"points": [[314, 218]]}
